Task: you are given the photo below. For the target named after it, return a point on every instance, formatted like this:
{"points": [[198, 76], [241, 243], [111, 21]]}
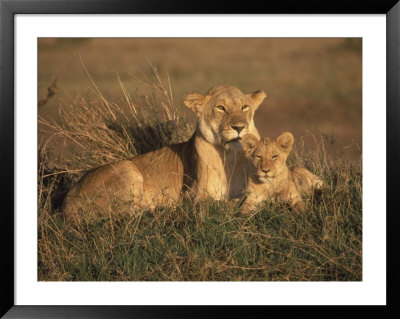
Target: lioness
{"points": [[210, 164], [270, 177]]}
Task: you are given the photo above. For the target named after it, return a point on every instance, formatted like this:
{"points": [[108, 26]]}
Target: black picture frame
{"points": [[8, 9]]}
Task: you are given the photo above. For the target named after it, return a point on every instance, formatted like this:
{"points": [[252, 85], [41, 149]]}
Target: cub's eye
{"points": [[274, 156], [257, 157], [245, 108], [221, 108]]}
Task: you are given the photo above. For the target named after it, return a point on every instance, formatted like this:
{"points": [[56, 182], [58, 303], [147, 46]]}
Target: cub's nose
{"points": [[266, 171], [238, 127]]}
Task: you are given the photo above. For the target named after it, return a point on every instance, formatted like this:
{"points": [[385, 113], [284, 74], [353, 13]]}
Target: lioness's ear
{"points": [[285, 141], [194, 101], [257, 98], [249, 142]]}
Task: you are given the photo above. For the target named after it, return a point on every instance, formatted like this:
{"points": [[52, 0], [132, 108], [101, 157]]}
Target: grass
{"points": [[205, 241]]}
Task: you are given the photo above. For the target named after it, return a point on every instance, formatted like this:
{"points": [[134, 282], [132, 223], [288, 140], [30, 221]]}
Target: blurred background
{"points": [[314, 85]]}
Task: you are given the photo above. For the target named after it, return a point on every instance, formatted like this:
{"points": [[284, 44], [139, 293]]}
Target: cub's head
{"points": [[225, 114], [267, 155]]}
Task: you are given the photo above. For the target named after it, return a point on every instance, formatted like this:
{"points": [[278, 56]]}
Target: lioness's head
{"points": [[267, 155], [225, 114]]}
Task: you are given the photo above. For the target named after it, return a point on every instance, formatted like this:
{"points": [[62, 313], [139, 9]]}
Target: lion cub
{"points": [[270, 178]]}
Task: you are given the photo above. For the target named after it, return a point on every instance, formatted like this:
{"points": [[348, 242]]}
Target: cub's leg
{"points": [[306, 182], [253, 198], [298, 207], [294, 198], [247, 206]]}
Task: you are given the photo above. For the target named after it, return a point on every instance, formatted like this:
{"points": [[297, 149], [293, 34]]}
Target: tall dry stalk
{"points": [[98, 132]]}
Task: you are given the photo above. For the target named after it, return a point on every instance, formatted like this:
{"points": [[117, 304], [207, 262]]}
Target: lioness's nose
{"points": [[238, 127], [266, 171]]}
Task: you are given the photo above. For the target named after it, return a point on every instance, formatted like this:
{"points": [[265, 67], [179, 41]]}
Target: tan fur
{"points": [[210, 164], [271, 178]]}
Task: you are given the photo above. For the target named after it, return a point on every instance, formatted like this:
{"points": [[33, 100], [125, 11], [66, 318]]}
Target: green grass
{"points": [[203, 241], [210, 241]]}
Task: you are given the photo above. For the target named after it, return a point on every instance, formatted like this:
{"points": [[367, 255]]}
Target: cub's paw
{"points": [[318, 184], [299, 207]]}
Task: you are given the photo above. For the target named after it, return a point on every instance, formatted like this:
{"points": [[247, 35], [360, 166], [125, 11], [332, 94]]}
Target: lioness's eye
{"points": [[221, 108], [257, 156], [245, 107], [274, 156]]}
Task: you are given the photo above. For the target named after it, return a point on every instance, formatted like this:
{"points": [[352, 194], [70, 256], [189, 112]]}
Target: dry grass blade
{"points": [[51, 91]]}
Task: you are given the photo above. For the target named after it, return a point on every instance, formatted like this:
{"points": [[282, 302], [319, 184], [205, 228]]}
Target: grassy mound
{"points": [[204, 241]]}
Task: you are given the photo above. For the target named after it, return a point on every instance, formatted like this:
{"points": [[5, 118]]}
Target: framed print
{"points": [[157, 157]]}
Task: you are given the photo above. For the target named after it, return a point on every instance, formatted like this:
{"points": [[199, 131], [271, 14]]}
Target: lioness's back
{"points": [[159, 173]]}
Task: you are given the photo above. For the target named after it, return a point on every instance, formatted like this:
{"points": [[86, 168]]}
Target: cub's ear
{"points": [[250, 143], [195, 101], [285, 141], [257, 97]]}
